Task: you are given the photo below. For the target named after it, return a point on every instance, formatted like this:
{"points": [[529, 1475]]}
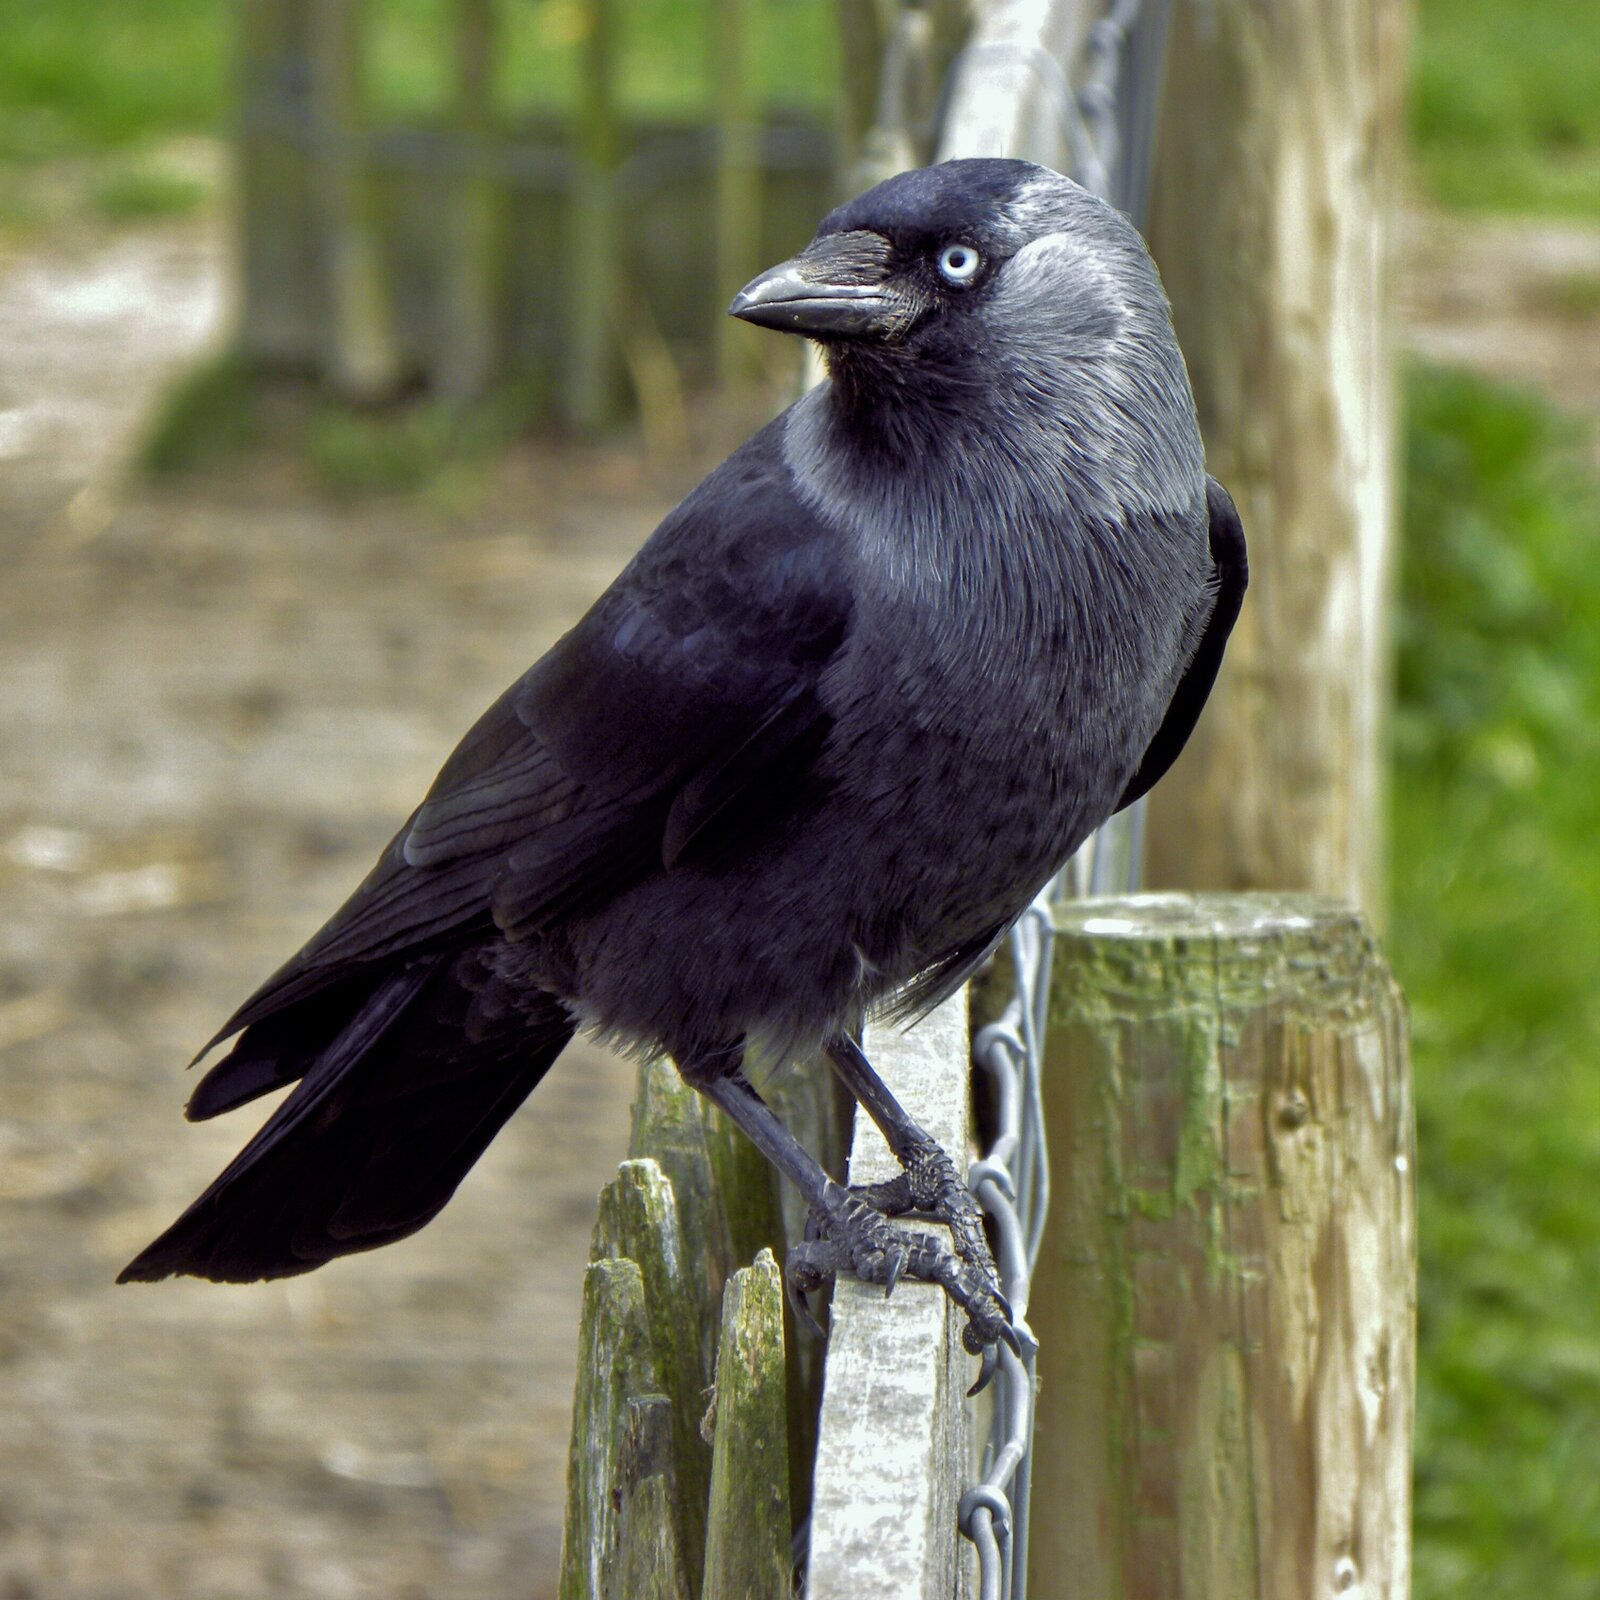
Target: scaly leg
{"points": [[853, 1235], [930, 1183]]}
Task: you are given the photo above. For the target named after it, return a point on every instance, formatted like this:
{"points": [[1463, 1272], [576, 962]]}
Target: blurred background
{"points": [[243, 619]]}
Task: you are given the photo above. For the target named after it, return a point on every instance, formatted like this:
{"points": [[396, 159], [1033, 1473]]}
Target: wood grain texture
{"points": [[1271, 211], [638, 1219], [618, 1415], [747, 1532], [892, 1445], [1226, 1298]]}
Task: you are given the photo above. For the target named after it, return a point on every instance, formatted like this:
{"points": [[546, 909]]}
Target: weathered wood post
{"points": [[1270, 215], [736, 181], [466, 349], [359, 355], [277, 312], [592, 359], [1227, 1291]]}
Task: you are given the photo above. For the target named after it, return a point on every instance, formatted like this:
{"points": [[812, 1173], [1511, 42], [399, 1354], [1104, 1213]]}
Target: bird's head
{"points": [[962, 270]]}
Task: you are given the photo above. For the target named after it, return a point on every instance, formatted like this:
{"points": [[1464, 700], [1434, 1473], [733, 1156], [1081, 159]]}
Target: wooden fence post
{"points": [[592, 359], [737, 182], [360, 356], [1227, 1290], [1270, 213], [277, 313], [467, 344]]}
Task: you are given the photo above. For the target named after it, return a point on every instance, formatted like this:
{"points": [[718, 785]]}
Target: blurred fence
{"points": [[573, 256]]}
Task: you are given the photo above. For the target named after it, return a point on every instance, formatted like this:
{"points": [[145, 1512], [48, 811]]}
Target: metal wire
{"points": [[1107, 126]]}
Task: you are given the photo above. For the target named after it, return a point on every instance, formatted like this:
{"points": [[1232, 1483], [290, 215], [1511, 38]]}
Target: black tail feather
{"points": [[388, 1118]]}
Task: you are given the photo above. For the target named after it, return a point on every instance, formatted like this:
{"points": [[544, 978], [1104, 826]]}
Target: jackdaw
{"points": [[846, 712]]}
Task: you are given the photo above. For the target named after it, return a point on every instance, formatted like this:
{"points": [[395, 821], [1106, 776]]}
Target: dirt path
{"points": [[219, 702]]}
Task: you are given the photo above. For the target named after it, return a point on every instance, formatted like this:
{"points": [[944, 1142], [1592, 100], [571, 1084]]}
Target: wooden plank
{"points": [[467, 345], [589, 383], [892, 1447], [1271, 217], [736, 178], [617, 1422], [670, 1127], [649, 1562], [277, 312], [747, 1537], [1226, 1296], [359, 358], [638, 1219]]}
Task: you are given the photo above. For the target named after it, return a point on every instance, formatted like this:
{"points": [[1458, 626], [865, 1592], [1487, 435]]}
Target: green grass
{"points": [[81, 77], [1496, 936], [1505, 109]]}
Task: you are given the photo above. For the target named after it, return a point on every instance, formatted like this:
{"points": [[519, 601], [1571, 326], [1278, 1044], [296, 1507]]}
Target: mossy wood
{"points": [[689, 1414], [619, 1521], [1226, 1298], [747, 1525], [638, 1221]]}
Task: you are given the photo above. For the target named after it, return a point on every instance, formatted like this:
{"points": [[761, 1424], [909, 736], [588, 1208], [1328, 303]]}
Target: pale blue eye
{"points": [[959, 263]]}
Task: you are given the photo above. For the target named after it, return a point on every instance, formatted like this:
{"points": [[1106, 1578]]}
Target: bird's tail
{"points": [[401, 1088]]}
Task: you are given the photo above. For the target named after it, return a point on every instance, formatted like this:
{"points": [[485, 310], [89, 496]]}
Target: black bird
{"points": [[813, 752]]}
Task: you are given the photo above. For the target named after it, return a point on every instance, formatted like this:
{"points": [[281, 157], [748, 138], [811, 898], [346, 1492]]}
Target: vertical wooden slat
{"points": [[466, 357], [589, 388], [892, 1438], [736, 180], [638, 1219], [359, 358], [617, 1427], [278, 301], [747, 1537]]}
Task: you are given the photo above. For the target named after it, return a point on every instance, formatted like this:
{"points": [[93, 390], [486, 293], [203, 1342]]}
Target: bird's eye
{"points": [[958, 263]]}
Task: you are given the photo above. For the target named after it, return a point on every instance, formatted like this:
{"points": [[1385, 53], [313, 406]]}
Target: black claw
{"points": [[986, 1371], [802, 1309], [1009, 1334], [897, 1265]]}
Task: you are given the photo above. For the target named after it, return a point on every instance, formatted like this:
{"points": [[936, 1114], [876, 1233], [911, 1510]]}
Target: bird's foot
{"points": [[848, 1232], [930, 1186]]}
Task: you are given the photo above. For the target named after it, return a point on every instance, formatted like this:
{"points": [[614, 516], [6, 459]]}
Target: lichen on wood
{"points": [[638, 1220], [618, 1399], [1226, 1296], [747, 1538]]}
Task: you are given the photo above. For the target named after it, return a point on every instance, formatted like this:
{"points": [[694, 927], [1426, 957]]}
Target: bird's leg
{"points": [[848, 1233], [929, 1183]]}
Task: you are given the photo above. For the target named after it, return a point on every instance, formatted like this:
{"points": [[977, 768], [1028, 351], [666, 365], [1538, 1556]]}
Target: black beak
{"points": [[836, 288]]}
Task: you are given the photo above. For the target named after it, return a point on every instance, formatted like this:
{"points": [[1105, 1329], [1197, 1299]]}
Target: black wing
{"points": [[670, 721], [1232, 577]]}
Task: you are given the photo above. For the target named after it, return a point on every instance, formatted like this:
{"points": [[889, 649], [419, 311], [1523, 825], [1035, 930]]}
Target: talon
{"points": [[1009, 1334], [986, 1371], [801, 1307], [897, 1265]]}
